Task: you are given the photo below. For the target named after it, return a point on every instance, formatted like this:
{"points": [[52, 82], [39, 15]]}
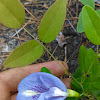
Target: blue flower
{"points": [[41, 86]]}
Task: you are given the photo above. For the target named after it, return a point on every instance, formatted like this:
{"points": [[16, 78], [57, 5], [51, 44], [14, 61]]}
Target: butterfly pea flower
{"points": [[41, 86]]}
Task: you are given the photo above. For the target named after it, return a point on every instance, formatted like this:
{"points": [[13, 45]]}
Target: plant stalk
{"points": [[54, 58], [46, 50]]}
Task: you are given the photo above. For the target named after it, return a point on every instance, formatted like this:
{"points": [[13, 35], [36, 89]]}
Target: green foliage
{"points": [[52, 21], [87, 76], [12, 13], [80, 28], [91, 3], [97, 94], [44, 69], [25, 54], [88, 73], [98, 11], [50, 26], [91, 24]]}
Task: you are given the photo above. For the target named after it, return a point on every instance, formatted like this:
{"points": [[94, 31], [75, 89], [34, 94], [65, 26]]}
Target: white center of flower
{"points": [[56, 92], [53, 92], [30, 93]]}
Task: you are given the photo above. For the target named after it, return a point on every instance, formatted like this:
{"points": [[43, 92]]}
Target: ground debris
{"points": [[61, 39]]}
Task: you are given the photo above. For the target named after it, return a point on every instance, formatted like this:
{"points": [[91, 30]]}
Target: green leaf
{"points": [[44, 69], [88, 2], [80, 28], [12, 13], [82, 60], [91, 3], [88, 73], [24, 55], [91, 24], [89, 65], [97, 94], [76, 86], [77, 75], [52, 21], [98, 11]]}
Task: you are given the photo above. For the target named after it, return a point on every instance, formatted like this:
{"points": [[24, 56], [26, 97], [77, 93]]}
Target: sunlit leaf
{"points": [[98, 11], [24, 55], [88, 2], [91, 3], [91, 24], [52, 21], [44, 69], [12, 13]]}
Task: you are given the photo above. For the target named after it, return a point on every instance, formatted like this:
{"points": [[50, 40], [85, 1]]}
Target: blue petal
{"points": [[32, 82], [40, 82], [41, 97], [54, 93], [50, 80]]}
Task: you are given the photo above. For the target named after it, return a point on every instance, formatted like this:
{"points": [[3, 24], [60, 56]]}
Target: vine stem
{"points": [[50, 53], [97, 49], [89, 69], [77, 82], [54, 58], [46, 50]]}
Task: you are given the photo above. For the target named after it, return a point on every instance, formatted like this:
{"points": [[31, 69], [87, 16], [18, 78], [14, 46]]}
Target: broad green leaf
{"points": [[12, 13], [98, 11], [91, 84], [44, 69], [52, 21], [91, 24], [78, 73], [80, 28], [88, 73], [88, 2], [82, 60], [91, 3], [88, 62], [24, 55]]}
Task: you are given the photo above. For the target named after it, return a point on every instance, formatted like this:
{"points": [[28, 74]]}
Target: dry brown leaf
{"points": [[61, 40]]}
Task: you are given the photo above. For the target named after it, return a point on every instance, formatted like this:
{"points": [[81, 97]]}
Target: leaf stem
{"points": [[77, 82]]}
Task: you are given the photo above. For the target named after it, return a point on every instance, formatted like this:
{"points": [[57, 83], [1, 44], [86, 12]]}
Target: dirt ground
{"points": [[12, 38]]}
